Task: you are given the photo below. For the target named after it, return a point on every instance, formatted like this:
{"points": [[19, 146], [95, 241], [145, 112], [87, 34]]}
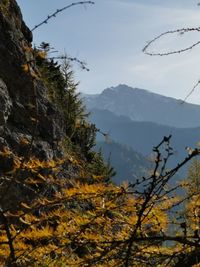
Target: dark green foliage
{"points": [[71, 103], [62, 91], [99, 167], [84, 136]]}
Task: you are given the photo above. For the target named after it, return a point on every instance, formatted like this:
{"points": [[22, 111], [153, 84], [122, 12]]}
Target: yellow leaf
{"points": [[25, 67], [25, 222], [41, 54], [25, 205]]}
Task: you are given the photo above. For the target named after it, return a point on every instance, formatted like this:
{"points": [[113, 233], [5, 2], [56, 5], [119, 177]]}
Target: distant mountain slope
{"points": [[142, 136], [128, 164], [142, 105]]}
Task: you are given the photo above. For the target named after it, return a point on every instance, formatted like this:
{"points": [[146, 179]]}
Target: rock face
{"points": [[25, 111], [5, 103], [31, 125]]}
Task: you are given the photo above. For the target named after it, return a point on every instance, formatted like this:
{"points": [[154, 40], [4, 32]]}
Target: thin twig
{"points": [[9, 237], [53, 15], [189, 94], [181, 31], [81, 63]]}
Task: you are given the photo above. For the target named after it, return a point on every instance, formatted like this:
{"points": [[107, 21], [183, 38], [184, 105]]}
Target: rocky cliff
{"points": [[28, 120], [31, 124]]}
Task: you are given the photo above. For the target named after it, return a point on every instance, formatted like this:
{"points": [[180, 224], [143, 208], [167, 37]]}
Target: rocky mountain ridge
{"points": [[143, 136], [142, 105]]}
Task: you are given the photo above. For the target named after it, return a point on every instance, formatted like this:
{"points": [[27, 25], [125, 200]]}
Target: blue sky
{"points": [[110, 36]]}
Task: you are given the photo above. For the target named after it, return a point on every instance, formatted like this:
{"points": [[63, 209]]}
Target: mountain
{"points": [[142, 105], [128, 164], [143, 136]]}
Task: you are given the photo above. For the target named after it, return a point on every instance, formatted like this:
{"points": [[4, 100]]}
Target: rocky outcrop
{"points": [[25, 111]]}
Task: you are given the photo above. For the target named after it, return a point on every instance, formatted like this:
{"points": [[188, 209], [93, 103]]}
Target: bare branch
{"points": [[180, 31], [190, 93], [9, 237], [53, 15], [73, 59]]}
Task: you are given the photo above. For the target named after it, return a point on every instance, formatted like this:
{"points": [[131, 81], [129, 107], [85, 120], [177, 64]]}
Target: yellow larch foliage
{"points": [[81, 223]]}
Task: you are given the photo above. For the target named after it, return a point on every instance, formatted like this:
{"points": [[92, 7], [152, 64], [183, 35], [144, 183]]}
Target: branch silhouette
{"points": [[72, 59], [191, 91], [155, 191], [180, 31], [167, 53], [53, 15]]}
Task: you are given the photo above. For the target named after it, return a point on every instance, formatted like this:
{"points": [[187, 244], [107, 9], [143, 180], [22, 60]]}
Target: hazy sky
{"points": [[110, 36]]}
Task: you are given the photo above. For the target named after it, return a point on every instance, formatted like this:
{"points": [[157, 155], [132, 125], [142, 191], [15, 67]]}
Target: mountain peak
{"points": [[124, 89], [143, 105]]}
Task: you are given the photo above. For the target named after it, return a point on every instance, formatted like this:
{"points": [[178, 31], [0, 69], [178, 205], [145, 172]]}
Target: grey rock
{"points": [[5, 103], [31, 126], [25, 110]]}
